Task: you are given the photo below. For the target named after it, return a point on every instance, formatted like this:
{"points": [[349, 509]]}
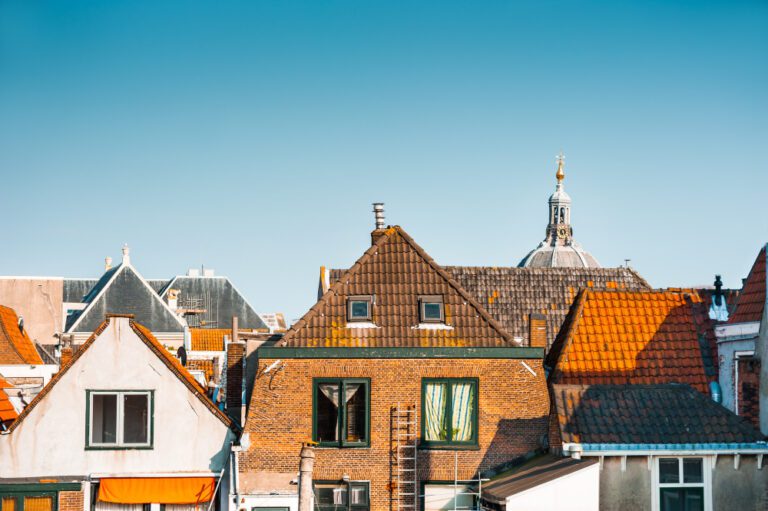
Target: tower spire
{"points": [[560, 175]]}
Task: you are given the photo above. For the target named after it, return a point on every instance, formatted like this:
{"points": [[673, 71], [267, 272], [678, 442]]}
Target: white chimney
{"points": [[193, 272], [378, 212], [126, 254], [173, 299], [208, 272], [107, 263]]}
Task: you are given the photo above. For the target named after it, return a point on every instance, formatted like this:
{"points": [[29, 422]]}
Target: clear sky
{"points": [[252, 136]]}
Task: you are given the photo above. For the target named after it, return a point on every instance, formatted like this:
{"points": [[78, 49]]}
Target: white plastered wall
{"points": [[50, 441], [578, 491]]}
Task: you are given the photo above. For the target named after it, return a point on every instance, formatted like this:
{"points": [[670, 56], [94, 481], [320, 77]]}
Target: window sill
{"points": [[432, 326], [449, 447], [325, 446], [118, 447], [361, 324]]}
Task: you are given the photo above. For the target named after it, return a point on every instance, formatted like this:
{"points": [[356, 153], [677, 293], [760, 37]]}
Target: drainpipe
{"points": [[305, 477]]}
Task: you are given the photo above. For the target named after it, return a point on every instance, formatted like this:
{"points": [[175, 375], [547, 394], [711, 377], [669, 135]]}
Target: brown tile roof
{"points": [[646, 414], [7, 411], [512, 294], [396, 271], [618, 337], [209, 339], [15, 345], [154, 345], [205, 365], [752, 299]]}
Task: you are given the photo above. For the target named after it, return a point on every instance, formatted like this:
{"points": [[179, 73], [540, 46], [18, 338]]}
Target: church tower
{"points": [[559, 249]]}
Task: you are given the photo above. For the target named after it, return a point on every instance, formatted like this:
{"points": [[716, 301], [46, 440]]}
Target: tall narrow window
{"points": [[119, 419], [449, 412], [341, 412]]}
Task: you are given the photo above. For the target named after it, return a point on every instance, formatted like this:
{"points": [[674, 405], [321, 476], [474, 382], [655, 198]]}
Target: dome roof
{"points": [[559, 249], [559, 256]]}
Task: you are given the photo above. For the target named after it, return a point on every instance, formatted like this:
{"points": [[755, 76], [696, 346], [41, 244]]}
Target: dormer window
{"points": [[359, 308], [431, 309]]}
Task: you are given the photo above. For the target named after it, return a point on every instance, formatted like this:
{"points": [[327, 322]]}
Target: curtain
{"points": [[462, 406], [434, 410], [38, 503], [8, 504]]}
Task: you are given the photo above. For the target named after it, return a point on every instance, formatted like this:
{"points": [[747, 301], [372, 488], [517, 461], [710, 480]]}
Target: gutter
{"points": [[576, 451]]}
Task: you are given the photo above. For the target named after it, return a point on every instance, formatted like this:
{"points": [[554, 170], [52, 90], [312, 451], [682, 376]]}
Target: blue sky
{"points": [[252, 136]]}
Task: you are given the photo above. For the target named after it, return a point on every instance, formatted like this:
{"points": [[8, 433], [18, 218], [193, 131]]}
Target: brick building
{"points": [[396, 361]]}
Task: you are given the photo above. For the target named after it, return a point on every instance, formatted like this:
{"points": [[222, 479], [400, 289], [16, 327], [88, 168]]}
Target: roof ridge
{"points": [[352, 270], [561, 347]]}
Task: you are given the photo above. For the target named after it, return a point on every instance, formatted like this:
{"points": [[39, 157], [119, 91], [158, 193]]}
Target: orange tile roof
{"points": [[153, 344], [208, 339], [752, 298], [205, 365], [7, 411], [15, 345], [651, 337]]}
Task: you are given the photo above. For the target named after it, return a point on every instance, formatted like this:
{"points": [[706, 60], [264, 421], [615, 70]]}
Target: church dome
{"points": [[559, 249]]}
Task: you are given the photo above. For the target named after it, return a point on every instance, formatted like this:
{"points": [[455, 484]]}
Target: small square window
{"points": [[431, 309], [119, 419], [359, 308]]}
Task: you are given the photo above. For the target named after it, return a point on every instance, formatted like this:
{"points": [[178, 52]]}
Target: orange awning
{"points": [[157, 490]]}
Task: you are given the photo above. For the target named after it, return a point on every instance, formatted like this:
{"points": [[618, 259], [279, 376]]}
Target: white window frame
{"points": [[706, 467], [120, 424]]}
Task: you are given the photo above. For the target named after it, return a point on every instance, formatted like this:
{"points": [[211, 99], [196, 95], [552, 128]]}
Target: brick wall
{"points": [[513, 417], [749, 389], [234, 379], [71, 501]]}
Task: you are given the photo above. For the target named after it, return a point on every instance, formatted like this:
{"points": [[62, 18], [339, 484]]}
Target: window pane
{"points": [[331, 495], [669, 471], [104, 415], [356, 411], [359, 309], [462, 412], [358, 495], [435, 426], [671, 499], [433, 311], [439, 497], [694, 499], [8, 504], [328, 412], [692, 470], [135, 415], [38, 503]]}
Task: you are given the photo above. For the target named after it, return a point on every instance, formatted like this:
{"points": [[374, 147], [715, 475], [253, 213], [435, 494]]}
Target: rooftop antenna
{"points": [[626, 262]]}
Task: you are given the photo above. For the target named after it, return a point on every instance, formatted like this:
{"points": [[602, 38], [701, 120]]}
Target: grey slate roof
{"points": [[125, 294], [219, 297], [646, 414], [511, 294], [75, 290]]}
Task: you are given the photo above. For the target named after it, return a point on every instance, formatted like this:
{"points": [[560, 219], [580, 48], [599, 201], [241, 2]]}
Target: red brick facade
{"points": [[749, 389], [513, 410], [71, 501]]}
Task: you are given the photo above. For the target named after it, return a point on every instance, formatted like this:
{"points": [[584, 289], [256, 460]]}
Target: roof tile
{"points": [[15, 345]]}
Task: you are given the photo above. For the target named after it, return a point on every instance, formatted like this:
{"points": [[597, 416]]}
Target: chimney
{"points": [[378, 213], [126, 254], [537, 334], [66, 351], [173, 299], [235, 387], [306, 465], [718, 298], [107, 263]]}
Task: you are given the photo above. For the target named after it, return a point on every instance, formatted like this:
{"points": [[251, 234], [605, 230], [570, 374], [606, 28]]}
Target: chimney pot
{"points": [[126, 254], [107, 263], [378, 212]]}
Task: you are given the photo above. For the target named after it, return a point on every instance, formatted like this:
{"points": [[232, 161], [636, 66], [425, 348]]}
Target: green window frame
{"points": [[119, 443], [447, 405], [342, 417], [321, 500]]}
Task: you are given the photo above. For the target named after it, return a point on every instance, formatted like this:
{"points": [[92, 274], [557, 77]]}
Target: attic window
{"points": [[119, 419], [359, 308], [431, 309]]}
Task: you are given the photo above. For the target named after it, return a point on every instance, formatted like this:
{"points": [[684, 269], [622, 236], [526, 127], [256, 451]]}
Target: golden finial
{"points": [[560, 164]]}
